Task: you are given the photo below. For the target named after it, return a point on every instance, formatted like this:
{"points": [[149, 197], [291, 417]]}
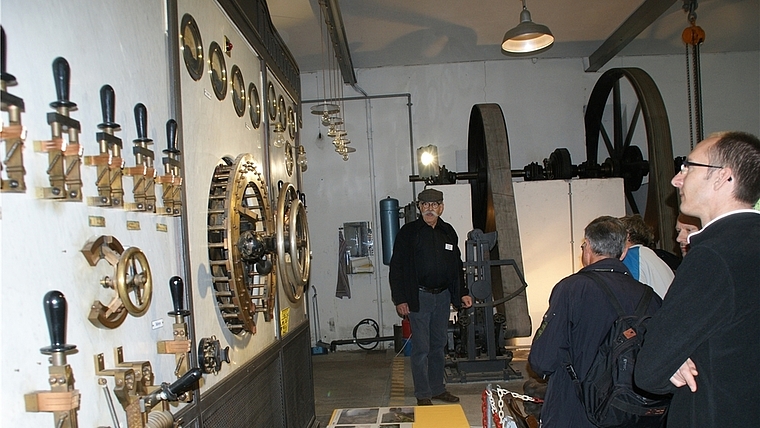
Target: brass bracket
{"points": [[62, 400], [109, 162], [133, 380], [171, 182]]}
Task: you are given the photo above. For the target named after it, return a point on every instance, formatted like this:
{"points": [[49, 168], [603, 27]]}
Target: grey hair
{"points": [[606, 236]]}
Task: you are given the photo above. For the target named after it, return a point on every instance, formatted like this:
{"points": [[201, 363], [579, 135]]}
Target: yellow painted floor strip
{"points": [[397, 382]]}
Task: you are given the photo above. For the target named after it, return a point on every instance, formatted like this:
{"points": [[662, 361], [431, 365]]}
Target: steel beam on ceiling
{"points": [[334, 21], [640, 19]]}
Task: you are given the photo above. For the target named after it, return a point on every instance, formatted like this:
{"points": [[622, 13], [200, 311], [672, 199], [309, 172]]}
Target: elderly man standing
{"points": [[579, 317], [707, 334], [426, 279]]}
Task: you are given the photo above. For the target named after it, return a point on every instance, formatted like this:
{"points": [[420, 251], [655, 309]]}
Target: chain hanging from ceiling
{"points": [[693, 36]]}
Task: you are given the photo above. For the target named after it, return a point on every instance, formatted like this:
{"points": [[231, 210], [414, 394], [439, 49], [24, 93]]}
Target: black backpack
{"points": [[608, 393]]}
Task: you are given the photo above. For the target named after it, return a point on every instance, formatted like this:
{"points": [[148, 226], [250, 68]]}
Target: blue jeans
{"points": [[429, 338]]}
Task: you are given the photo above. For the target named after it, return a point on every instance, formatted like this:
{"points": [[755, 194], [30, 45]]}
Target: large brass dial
{"points": [[239, 234]]}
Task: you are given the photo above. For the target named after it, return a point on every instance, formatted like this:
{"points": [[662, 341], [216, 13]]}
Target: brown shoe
{"points": [[447, 397], [424, 402]]}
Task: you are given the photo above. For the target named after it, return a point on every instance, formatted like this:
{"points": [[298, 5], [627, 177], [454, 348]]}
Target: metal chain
{"points": [[688, 94], [501, 391], [497, 416]]}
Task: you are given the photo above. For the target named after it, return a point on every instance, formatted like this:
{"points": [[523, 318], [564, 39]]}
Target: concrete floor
{"points": [[379, 378]]}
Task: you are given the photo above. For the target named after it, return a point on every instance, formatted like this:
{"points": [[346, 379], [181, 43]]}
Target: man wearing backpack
{"points": [[578, 319], [707, 334]]}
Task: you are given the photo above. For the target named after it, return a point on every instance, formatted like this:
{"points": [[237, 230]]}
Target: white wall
{"points": [[543, 104]]}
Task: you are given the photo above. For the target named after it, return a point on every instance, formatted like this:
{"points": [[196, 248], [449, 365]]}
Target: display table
{"points": [[449, 416]]}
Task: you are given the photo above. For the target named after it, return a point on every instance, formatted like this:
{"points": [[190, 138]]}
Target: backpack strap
{"points": [[641, 308]]}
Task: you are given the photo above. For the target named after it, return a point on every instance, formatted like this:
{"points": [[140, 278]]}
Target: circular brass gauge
{"points": [[192, 46], [289, 162], [254, 106], [281, 112], [271, 102], [292, 122], [238, 90], [217, 71]]}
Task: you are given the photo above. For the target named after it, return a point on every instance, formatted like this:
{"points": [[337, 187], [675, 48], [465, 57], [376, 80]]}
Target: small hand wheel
{"points": [[133, 278]]}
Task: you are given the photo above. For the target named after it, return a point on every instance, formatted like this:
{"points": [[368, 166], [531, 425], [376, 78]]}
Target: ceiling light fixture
{"points": [[527, 37]]}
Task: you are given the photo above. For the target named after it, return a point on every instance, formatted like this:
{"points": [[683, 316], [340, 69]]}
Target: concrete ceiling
{"points": [[414, 32]]}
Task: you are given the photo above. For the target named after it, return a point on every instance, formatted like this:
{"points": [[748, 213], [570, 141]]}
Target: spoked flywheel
{"points": [[239, 235], [625, 158], [292, 242]]}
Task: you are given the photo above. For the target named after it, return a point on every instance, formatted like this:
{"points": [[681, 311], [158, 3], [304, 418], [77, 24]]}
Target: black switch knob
{"points": [[61, 76], [55, 314], [171, 137], [177, 288], [9, 79], [108, 107], [141, 121]]}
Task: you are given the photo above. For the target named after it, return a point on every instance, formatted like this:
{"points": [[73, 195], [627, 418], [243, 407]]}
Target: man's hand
{"points": [[402, 310], [686, 375], [466, 301]]}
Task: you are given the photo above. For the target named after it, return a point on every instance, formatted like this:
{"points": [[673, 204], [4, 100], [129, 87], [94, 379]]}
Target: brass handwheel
{"points": [[300, 248], [133, 278], [292, 242]]}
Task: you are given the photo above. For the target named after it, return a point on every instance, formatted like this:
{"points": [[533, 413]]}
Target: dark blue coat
{"points": [[579, 317]]}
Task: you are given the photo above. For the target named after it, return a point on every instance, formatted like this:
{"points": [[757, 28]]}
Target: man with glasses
{"points": [[707, 334], [426, 277]]}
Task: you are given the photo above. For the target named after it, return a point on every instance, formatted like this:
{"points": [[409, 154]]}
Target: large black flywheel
{"points": [[647, 124], [493, 209]]}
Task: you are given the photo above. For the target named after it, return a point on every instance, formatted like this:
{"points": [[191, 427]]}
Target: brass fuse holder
{"points": [[64, 158], [12, 132], [62, 400], [171, 182], [181, 345], [108, 162], [143, 174]]}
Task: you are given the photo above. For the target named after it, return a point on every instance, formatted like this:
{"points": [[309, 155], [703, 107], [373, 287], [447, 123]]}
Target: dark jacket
{"points": [[711, 314], [579, 318], [405, 273]]}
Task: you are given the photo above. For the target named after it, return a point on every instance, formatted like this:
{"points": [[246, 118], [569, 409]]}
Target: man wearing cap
{"points": [[426, 277]]}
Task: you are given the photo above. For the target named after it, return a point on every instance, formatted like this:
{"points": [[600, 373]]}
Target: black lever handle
{"points": [[177, 288], [61, 76], [171, 137], [9, 79], [108, 107], [186, 382], [55, 315], [141, 121]]}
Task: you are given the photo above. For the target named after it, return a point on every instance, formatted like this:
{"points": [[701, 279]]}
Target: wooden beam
{"points": [[640, 19]]}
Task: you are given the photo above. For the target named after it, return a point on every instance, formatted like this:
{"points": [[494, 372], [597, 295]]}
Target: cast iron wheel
{"points": [[624, 161]]}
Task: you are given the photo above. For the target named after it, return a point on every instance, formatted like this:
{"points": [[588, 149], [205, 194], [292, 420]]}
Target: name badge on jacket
{"points": [[448, 247]]}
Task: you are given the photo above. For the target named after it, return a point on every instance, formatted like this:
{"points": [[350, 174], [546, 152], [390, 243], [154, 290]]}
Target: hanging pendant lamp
{"points": [[527, 37]]}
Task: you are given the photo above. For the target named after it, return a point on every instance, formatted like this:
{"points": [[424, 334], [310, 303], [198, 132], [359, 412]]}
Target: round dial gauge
{"points": [[292, 126], [281, 112], [254, 106], [271, 102], [238, 90], [191, 46], [217, 70], [289, 158]]}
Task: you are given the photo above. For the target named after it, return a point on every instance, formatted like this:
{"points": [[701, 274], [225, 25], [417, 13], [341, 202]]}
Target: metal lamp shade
{"points": [[527, 37]]}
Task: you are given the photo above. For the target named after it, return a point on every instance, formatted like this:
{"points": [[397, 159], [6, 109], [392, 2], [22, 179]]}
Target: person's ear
{"points": [[625, 251]]}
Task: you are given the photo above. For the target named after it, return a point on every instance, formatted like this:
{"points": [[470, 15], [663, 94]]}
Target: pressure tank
{"points": [[388, 226]]}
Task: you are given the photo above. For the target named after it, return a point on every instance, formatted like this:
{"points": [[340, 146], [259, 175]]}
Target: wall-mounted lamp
{"points": [[527, 38], [427, 162]]}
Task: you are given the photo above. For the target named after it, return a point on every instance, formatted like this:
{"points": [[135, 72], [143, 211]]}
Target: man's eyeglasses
{"points": [[685, 164], [429, 204]]}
